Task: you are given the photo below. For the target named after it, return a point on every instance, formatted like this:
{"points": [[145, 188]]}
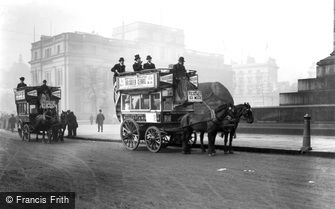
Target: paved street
{"points": [[273, 141], [104, 175]]}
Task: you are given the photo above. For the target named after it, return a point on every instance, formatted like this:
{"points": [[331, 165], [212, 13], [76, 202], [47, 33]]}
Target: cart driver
{"points": [[181, 81], [21, 84]]}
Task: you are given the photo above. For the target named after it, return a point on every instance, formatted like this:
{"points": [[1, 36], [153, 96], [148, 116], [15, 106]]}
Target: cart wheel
{"points": [[49, 136], [153, 139], [26, 133], [193, 139], [130, 134]]}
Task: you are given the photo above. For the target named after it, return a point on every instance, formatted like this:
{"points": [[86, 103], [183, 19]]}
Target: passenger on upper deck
{"points": [[21, 84], [118, 68], [137, 66], [45, 89], [179, 70], [149, 64]]}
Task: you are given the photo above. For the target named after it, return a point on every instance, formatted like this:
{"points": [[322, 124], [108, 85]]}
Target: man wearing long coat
{"points": [[100, 121]]}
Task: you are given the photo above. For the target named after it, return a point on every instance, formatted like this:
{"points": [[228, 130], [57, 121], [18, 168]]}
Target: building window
{"points": [[58, 77], [58, 49], [35, 56], [47, 52], [34, 77]]}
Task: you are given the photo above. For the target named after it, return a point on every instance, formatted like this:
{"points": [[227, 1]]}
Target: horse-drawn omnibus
{"points": [[148, 105], [37, 110]]}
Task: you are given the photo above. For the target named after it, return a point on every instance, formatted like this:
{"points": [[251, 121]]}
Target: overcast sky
{"points": [[294, 32]]}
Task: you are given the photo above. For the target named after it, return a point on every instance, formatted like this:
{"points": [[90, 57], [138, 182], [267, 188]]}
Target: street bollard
{"points": [[306, 142]]}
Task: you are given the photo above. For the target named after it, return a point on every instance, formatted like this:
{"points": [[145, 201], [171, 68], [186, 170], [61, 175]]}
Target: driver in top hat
{"points": [[137, 66], [149, 64], [21, 84]]}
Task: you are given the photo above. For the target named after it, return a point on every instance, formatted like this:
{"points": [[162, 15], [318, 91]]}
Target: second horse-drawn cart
{"points": [[37, 109], [149, 105]]}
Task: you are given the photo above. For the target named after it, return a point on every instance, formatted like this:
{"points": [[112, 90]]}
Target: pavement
{"points": [[323, 146]]}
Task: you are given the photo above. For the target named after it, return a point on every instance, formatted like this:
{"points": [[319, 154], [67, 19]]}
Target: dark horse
{"points": [[228, 126], [63, 122], [200, 123]]}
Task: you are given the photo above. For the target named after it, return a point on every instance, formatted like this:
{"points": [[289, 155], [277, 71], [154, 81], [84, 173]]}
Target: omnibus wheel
{"points": [[153, 139], [26, 133], [130, 134]]}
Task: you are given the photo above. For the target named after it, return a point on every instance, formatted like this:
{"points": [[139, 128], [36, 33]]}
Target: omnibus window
{"points": [[22, 108], [125, 102], [135, 102], [145, 102], [155, 101]]}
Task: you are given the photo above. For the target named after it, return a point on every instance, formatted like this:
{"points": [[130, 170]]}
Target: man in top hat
{"points": [[21, 84], [149, 64], [137, 66], [118, 68]]}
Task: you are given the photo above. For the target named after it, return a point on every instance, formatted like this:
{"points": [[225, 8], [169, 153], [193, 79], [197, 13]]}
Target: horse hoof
{"points": [[225, 152], [203, 151], [231, 152], [211, 154]]}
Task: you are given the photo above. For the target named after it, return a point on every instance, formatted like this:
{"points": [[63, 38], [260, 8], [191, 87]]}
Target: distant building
{"points": [[210, 67], [256, 83], [286, 86], [80, 64]]}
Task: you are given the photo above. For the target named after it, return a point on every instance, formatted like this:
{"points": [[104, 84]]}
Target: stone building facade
{"points": [[256, 83]]}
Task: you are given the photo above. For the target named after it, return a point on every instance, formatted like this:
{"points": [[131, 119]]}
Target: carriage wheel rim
{"points": [[130, 134], [153, 139]]}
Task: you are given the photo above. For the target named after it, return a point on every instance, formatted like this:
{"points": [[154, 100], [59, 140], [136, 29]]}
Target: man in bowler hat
{"points": [[21, 84], [179, 69], [118, 68], [149, 64], [137, 66]]}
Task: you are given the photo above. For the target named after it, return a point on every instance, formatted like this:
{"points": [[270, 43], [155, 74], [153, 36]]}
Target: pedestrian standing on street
{"points": [[21, 84], [137, 66], [100, 121], [149, 64], [118, 68], [12, 122], [91, 119]]}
